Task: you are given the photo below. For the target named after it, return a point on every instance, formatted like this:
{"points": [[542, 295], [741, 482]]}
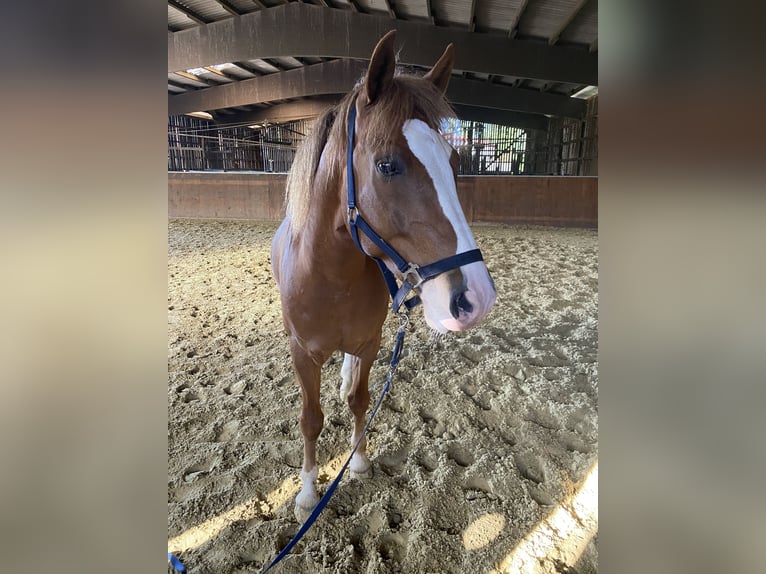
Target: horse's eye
{"points": [[388, 167]]}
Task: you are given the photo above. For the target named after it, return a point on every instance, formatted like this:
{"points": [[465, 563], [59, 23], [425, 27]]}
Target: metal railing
{"points": [[568, 147]]}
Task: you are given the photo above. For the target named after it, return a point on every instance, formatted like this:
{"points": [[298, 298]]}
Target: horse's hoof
{"points": [[302, 514], [305, 502], [366, 475], [363, 475], [360, 466]]}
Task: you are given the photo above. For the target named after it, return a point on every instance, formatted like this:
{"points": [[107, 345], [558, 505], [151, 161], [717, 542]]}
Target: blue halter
{"points": [[413, 276]]}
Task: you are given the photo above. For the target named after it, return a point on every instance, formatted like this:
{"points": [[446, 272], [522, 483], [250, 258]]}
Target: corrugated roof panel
{"points": [[373, 6], [179, 21], [340, 4], [496, 15], [584, 28], [244, 6], [211, 76], [456, 12], [287, 62], [544, 18], [262, 66], [234, 70], [179, 79], [411, 9], [207, 9]]}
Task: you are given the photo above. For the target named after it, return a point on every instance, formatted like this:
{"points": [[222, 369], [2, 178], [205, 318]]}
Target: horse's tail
{"points": [[300, 180]]}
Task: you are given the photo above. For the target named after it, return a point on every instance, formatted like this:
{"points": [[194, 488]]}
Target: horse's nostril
{"points": [[459, 303]]}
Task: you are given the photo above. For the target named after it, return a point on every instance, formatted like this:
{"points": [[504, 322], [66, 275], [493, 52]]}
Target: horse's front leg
{"points": [[312, 420], [355, 374]]}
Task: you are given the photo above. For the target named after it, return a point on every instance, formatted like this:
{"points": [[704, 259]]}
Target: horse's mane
{"points": [[406, 97]]}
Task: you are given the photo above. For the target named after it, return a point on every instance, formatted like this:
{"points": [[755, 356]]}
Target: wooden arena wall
{"points": [[541, 200]]}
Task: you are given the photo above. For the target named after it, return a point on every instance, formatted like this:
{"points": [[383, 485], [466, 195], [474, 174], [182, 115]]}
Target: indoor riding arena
{"points": [[485, 451]]}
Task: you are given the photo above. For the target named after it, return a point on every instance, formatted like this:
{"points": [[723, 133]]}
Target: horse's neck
{"points": [[325, 232]]}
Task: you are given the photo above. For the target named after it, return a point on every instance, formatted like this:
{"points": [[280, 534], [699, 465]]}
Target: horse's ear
{"points": [[381, 70], [440, 73]]}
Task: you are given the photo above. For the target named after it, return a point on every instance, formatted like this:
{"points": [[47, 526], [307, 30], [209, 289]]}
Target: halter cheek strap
{"points": [[413, 275]]}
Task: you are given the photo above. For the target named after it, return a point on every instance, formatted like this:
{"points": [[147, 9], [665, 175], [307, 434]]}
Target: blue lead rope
{"points": [[176, 563], [327, 495], [413, 276], [395, 355]]}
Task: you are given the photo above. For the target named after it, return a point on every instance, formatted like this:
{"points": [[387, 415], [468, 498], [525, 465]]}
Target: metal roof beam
{"points": [[501, 97], [502, 117], [316, 31], [280, 113], [229, 7], [336, 77], [339, 76], [306, 109]]}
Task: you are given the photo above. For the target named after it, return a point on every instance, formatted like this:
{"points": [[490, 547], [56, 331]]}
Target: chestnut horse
{"points": [[403, 188]]}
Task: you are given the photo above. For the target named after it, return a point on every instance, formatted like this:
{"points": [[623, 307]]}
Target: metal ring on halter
{"points": [[414, 270], [353, 213]]}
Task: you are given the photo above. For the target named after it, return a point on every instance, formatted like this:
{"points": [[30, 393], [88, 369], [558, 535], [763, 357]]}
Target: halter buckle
{"points": [[353, 213], [413, 270]]}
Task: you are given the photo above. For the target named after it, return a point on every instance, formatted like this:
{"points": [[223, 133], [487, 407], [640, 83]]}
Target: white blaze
{"points": [[433, 151]]}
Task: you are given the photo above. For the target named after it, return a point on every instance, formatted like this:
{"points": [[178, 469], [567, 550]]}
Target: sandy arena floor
{"points": [[485, 435]]}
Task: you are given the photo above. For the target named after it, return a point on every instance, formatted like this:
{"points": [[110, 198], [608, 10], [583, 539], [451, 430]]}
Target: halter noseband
{"points": [[413, 275]]}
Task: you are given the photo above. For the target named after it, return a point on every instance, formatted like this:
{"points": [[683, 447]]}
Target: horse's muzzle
{"points": [[467, 303]]}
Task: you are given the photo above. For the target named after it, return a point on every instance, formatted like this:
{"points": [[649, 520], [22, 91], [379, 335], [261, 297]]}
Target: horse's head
{"points": [[406, 180]]}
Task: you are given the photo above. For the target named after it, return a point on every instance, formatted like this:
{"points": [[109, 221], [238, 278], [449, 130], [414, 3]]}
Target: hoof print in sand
{"points": [[459, 455], [434, 427], [441, 460], [393, 464], [540, 496], [530, 467], [236, 388], [392, 547], [228, 431], [427, 462]]}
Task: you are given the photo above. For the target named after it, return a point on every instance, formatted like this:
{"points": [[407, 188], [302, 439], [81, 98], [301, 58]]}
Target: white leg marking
{"points": [[345, 375], [360, 464], [307, 498]]}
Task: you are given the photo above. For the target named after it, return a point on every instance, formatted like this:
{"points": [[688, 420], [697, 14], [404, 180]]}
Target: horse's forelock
{"points": [[408, 97]]}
